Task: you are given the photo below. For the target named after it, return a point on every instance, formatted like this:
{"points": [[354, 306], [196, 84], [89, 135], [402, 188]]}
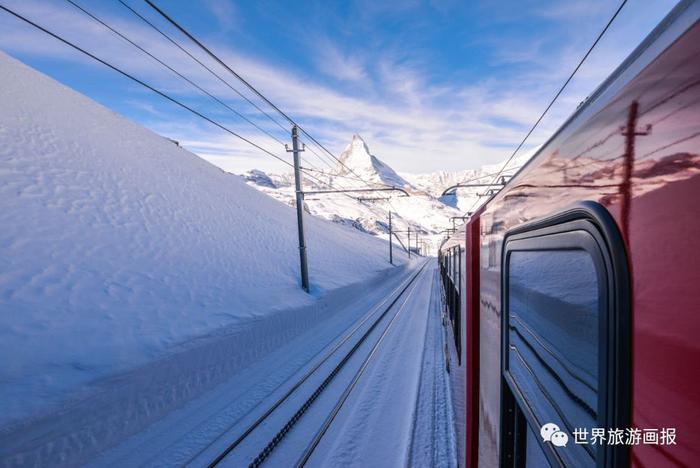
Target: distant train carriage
{"points": [[573, 295]]}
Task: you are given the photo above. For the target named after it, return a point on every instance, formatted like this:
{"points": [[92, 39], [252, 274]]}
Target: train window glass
{"points": [[534, 455], [554, 309], [563, 343], [553, 316]]}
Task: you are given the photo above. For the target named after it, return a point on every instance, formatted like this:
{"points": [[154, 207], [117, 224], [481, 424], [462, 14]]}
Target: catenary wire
{"points": [[212, 72], [246, 83], [142, 49], [228, 68], [142, 83], [556, 96], [161, 93]]}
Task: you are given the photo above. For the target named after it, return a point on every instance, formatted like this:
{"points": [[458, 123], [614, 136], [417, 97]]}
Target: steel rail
{"points": [[294, 419], [401, 289], [346, 393]]}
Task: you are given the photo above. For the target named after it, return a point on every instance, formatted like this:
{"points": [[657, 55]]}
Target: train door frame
{"points": [[589, 226], [471, 339]]}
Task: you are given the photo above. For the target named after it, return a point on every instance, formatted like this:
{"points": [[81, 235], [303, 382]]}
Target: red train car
{"points": [[576, 289]]}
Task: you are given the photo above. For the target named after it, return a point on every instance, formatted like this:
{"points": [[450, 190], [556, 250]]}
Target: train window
{"points": [[534, 455], [564, 340]]}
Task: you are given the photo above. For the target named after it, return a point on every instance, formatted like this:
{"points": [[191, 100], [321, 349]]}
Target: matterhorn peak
{"points": [[357, 152], [357, 160], [357, 139]]}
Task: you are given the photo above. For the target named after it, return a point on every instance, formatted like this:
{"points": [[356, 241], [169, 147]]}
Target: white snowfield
{"points": [[118, 249]]}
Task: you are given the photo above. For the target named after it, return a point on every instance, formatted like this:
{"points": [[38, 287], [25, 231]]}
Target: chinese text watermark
{"points": [[550, 432]]}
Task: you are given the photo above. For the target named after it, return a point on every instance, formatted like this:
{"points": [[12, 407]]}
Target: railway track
{"points": [[316, 397]]}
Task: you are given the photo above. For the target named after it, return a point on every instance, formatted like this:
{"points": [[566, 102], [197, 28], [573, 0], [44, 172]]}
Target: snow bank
{"points": [[117, 245]]}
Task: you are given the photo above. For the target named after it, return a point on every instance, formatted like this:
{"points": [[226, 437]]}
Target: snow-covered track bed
{"points": [[289, 428]]}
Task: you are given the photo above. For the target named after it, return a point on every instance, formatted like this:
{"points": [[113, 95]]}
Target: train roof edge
{"points": [[681, 18]]}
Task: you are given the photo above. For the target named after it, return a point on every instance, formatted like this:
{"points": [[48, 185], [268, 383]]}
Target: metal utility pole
{"points": [[300, 209], [409, 241], [391, 252]]}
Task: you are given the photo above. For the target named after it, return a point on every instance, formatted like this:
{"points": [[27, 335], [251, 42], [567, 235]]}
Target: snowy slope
{"points": [[117, 245]]}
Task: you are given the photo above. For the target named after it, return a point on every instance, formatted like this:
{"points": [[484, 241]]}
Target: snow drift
{"points": [[117, 246]]}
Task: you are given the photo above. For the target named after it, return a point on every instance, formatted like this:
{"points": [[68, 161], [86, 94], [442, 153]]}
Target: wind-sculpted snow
{"points": [[118, 247]]}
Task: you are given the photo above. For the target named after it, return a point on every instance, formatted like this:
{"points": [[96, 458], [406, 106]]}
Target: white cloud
{"points": [[225, 12], [412, 120], [336, 64]]}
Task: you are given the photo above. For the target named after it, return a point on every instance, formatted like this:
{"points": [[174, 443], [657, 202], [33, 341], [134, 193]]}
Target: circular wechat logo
{"points": [[550, 432]]}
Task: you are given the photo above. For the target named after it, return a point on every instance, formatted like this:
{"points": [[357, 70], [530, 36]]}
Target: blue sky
{"points": [[430, 85]]}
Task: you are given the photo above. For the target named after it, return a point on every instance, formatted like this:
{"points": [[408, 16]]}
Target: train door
{"points": [[565, 341]]}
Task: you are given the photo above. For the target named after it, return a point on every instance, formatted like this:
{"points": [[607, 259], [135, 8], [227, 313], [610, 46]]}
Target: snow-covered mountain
{"points": [[427, 211], [424, 212], [465, 198], [435, 183], [357, 162]]}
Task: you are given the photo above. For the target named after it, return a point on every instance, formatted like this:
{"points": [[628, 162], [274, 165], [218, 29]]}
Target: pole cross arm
{"points": [[400, 241], [452, 189], [380, 189], [372, 198], [490, 192]]}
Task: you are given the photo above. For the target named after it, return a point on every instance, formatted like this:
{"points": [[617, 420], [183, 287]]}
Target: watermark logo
{"points": [[628, 436], [550, 432]]}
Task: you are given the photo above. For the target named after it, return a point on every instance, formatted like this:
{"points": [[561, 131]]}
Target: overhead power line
{"points": [[142, 83], [216, 99], [556, 96], [254, 90], [221, 62], [323, 160], [159, 92], [176, 44], [466, 181], [246, 83], [212, 72]]}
